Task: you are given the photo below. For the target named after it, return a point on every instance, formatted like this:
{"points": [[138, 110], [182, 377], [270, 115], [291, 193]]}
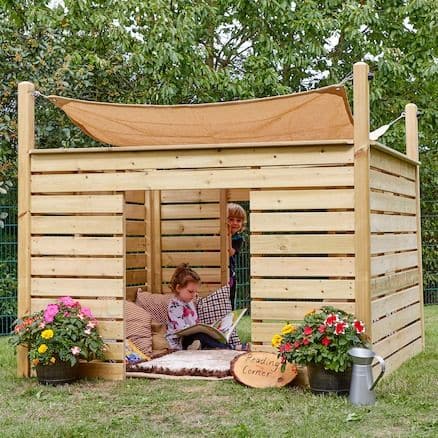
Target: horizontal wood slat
{"points": [[391, 303], [388, 163], [136, 276], [204, 179], [207, 226], [391, 183], [77, 287], [214, 158], [393, 282], [393, 262], [75, 266], [101, 308], [193, 258], [135, 261], [321, 221], [301, 199], [401, 356], [115, 351], [290, 310], [77, 204], [103, 370], [77, 225], [386, 223], [111, 330], [302, 288], [134, 211], [134, 196], [76, 245], [390, 202], [189, 196], [189, 211], [238, 195], [396, 321], [135, 228], [392, 242], [135, 244], [263, 332], [302, 266], [302, 244], [181, 243]]}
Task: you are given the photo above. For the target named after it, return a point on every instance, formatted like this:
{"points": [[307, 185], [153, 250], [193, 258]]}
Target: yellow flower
{"points": [[47, 334], [52, 360], [42, 348], [310, 313], [288, 328], [276, 340]]}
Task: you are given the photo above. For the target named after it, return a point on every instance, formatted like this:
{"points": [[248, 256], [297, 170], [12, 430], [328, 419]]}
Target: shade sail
{"points": [[322, 114]]}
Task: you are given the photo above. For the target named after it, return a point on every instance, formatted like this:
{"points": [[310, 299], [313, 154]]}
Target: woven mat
{"points": [[200, 363]]}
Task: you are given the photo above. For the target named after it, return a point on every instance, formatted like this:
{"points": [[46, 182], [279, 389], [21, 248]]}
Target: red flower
{"points": [[340, 328], [326, 341], [297, 344], [287, 346], [306, 341], [331, 319], [322, 328], [307, 330], [359, 326]]}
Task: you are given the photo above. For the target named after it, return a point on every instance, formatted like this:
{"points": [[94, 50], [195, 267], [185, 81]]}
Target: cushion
{"points": [[138, 327], [155, 304], [214, 307], [159, 342], [133, 354]]}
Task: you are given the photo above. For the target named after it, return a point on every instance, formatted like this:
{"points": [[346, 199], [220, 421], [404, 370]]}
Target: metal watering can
{"points": [[362, 384]]}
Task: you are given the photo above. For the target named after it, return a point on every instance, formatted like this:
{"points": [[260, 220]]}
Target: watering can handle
{"points": [[382, 371]]}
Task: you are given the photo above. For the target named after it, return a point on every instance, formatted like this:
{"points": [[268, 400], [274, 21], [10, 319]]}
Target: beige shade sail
{"points": [[322, 114]]}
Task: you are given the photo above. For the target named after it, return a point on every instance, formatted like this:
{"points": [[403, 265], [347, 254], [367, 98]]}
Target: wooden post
{"points": [[157, 270], [26, 142], [412, 152], [148, 238], [224, 238], [361, 109]]}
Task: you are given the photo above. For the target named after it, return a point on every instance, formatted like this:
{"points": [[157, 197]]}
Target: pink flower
{"points": [[297, 344], [42, 325], [87, 312], [87, 331], [322, 328], [326, 341], [91, 324], [75, 350], [331, 319], [359, 326], [50, 312], [66, 314], [307, 331], [340, 327], [68, 301], [306, 341]]}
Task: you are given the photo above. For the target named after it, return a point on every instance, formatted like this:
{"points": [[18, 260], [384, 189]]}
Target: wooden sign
{"points": [[258, 369]]}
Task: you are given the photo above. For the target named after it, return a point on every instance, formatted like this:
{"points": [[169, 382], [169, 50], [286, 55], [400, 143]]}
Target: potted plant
{"points": [[57, 338], [321, 342]]}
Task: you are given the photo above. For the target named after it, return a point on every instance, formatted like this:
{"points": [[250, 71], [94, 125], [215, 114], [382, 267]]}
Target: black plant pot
{"points": [[58, 373], [324, 381]]}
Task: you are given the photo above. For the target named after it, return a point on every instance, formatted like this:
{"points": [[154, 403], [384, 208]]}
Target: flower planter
{"points": [[324, 381], [58, 373]]}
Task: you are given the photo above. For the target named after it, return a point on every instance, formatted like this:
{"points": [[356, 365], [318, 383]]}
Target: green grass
{"points": [[406, 406]]}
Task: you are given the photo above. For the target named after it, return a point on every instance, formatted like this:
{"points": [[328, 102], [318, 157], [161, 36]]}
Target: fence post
{"points": [[26, 142]]}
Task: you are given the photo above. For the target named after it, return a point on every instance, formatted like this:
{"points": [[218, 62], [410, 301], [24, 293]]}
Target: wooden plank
{"points": [[290, 310], [76, 245], [393, 262], [238, 195], [181, 243], [193, 258], [389, 202], [136, 276], [263, 347], [134, 211], [387, 150], [156, 274], [148, 238], [77, 225], [389, 163], [77, 287], [381, 243], [101, 308], [391, 183], [111, 330], [302, 244], [398, 340], [309, 221], [391, 303], [77, 204], [394, 282], [385, 326], [189, 196], [131, 292], [189, 211], [192, 226], [103, 370], [225, 239], [202, 179], [133, 196], [302, 266], [135, 228], [115, 351], [406, 353], [135, 261], [264, 331], [77, 266], [302, 289], [123, 159], [302, 199], [208, 275], [135, 244], [391, 223]]}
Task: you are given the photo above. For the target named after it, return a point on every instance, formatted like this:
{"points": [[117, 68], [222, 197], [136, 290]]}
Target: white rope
{"points": [[39, 94], [377, 133]]}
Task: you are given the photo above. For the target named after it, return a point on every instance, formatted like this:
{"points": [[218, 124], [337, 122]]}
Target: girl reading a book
{"points": [[182, 312]]}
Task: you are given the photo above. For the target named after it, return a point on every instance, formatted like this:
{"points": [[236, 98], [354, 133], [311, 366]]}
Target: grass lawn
{"points": [[406, 407]]}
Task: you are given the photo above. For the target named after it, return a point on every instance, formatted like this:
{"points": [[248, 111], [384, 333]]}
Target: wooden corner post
{"points": [[26, 142], [413, 153], [361, 109]]}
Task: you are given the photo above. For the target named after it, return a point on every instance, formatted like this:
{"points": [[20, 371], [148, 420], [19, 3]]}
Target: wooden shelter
{"points": [[334, 220]]}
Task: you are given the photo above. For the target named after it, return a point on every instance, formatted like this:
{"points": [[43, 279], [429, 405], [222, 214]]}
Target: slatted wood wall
{"points": [[78, 249], [396, 302]]}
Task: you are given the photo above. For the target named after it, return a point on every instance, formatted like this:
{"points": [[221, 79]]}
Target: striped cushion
{"points": [[138, 327]]}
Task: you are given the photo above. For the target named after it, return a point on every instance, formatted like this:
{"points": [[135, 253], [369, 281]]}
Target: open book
{"points": [[220, 331]]}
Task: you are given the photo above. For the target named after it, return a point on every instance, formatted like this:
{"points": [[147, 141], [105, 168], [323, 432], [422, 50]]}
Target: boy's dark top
{"points": [[236, 242]]}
